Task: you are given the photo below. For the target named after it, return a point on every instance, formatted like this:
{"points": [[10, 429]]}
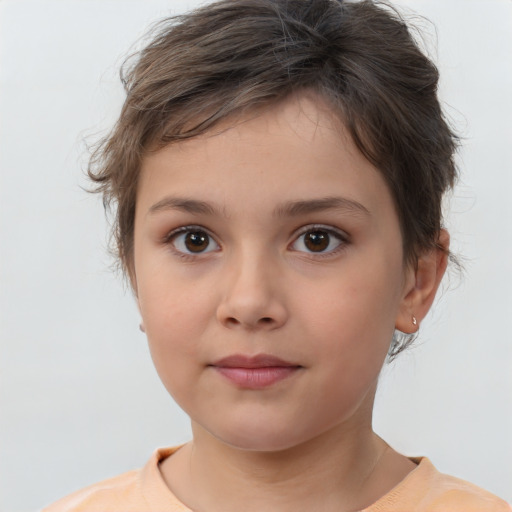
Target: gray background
{"points": [[79, 399]]}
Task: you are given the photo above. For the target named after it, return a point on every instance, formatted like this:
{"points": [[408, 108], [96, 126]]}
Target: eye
{"points": [[192, 240], [319, 240]]}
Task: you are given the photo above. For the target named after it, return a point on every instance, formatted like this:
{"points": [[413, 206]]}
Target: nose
{"points": [[253, 298]]}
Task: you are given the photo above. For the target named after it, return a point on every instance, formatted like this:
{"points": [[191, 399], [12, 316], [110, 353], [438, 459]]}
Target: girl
{"points": [[278, 169]]}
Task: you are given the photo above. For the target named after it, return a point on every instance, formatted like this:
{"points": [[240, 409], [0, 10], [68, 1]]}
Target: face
{"points": [[269, 274]]}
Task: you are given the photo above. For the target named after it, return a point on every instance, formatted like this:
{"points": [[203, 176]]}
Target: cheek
{"points": [[172, 332], [175, 316], [172, 326], [353, 321], [169, 300], [351, 347], [354, 309]]}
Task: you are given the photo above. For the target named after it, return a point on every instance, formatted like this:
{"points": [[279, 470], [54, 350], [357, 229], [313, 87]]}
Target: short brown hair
{"points": [[232, 56]]}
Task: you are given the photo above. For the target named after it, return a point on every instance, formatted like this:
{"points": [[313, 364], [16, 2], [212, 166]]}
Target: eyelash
{"points": [[171, 237], [342, 238]]}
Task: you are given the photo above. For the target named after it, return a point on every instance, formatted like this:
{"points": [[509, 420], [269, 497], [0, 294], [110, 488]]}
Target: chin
{"points": [[259, 444], [260, 438]]}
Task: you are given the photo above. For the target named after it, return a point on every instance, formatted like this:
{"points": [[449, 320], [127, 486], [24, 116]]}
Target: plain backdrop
{"points": [[79, 398]]}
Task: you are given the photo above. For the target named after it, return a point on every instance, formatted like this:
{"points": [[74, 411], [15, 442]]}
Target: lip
{"points": [[257, 361], [255, 372]]}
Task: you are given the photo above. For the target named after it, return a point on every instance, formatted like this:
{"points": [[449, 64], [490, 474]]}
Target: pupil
{"points": [[196, 241], [317, 241]]}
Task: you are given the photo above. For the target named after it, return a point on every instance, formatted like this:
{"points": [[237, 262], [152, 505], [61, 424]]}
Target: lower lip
{"points": [[257, 378]]}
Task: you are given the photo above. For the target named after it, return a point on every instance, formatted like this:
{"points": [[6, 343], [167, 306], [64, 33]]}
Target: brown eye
{"points": [[196, 241], [318, 241], [193, 241]]}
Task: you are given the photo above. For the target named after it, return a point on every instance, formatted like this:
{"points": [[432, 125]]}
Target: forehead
{"points": [[295, 149]]}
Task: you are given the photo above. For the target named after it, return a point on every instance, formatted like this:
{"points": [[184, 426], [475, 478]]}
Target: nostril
{"points": [[232, 321]]}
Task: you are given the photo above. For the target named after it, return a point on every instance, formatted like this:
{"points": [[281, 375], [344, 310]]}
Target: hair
{"points": [[234, 56]]}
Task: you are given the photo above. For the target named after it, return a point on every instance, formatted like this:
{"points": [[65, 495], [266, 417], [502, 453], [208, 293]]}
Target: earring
{"points": [[141, 327], [414, 321]]}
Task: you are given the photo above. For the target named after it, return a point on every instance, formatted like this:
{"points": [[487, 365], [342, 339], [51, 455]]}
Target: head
{"points": [[233, 58]]}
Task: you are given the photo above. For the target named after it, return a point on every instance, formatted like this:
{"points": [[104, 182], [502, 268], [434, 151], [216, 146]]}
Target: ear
{"points": [[421, 284], [130, 272], [141, 325]]}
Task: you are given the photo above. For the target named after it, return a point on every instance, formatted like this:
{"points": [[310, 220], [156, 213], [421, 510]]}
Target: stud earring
{"points": [[414, 321], [141, 327]]}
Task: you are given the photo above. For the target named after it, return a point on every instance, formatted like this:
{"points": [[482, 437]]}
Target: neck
{"points": [[340, 470]]}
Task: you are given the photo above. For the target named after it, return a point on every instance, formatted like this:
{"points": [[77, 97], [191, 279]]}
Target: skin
{"points": [[305, 442]]}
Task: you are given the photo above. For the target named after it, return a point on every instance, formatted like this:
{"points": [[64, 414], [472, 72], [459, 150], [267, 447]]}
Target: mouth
{"points": [[255, 372]]}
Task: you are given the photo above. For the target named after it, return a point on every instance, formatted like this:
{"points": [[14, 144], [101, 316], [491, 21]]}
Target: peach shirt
{"points": [[144, 490]]}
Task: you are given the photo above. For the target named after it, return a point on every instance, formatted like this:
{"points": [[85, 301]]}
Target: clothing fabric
{"points": [[424, 489]]}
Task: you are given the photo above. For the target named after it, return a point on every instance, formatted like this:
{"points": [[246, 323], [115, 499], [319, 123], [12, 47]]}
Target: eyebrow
{"points": [[294, 208], [183, 204], [288, 209]]}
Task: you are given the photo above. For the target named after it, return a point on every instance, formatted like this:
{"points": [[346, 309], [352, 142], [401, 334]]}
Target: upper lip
{"points": [[257, 361]]}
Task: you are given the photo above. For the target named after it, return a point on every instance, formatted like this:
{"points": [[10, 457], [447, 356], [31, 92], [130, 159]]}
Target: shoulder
{"points": [[106, 495], [458, 495], [427, 490], [141, 489]]}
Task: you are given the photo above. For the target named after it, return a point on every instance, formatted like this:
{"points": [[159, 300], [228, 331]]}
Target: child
{"points": [[278, 169]]}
